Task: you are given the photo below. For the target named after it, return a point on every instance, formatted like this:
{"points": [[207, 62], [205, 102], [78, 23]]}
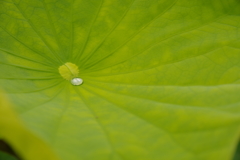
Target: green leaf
{"points": [[68, 71], [161, 77], [27, 145], [237, 153], [5, 156]]}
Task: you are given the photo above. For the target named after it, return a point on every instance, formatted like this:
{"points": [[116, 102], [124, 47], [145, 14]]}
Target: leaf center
{"points": [[68, 71]]}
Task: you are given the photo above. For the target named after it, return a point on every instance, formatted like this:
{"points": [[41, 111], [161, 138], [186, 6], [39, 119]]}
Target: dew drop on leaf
{"points": [[76, 81]]}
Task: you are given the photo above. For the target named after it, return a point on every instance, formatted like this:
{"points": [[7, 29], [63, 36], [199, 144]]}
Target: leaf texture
{"points": [[26, 145], [161, 77]]}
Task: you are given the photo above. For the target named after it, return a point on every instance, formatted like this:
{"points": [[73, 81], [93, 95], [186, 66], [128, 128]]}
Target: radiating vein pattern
{"points": [[161, 77]]}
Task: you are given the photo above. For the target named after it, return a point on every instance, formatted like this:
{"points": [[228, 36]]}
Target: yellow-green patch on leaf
{"points": [[68, 71]]}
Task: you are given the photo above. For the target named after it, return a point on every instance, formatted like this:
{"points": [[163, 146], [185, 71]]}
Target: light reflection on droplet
{"points": [[76, 81]]}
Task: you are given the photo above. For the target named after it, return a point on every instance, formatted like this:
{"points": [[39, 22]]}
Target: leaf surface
{"points": [[5, 156], [161, 77], [23, 142]]}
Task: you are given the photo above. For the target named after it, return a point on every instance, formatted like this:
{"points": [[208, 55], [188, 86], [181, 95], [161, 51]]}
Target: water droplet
{"points": [[76, 81]]}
